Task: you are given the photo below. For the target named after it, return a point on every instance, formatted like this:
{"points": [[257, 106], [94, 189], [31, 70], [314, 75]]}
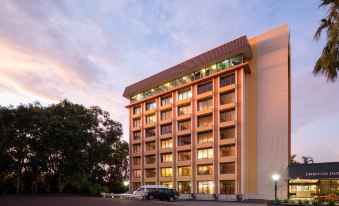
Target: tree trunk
{"points": [[18, 179]]}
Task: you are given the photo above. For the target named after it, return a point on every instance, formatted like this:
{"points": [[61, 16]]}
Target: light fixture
{"points": [[275, 177], [126, 183]]}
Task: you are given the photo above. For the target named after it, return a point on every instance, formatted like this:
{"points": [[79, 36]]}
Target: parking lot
{"points": [[92, 201]]}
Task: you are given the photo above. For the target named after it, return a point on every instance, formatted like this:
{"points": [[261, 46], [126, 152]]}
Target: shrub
{"points": [[276, 201], [285, 201], [306, 202], [300, 202], [331, 203]]}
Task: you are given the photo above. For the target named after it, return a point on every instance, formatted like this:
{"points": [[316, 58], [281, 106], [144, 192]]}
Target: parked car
{"points": [[162, 194], [141, 191]]}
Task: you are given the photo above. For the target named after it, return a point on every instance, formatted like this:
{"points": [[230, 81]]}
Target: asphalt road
{"points": [[92, 201]]}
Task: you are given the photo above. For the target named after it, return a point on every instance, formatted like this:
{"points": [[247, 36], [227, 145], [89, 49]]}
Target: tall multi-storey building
{"points": [[218, 123]]}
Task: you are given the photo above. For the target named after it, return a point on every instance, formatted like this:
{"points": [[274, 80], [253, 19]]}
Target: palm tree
{"points": [[328, 63], [307, 160], [293, 160]]}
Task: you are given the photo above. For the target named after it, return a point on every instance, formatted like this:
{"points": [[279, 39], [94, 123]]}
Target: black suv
{"points": [[162, 194]]}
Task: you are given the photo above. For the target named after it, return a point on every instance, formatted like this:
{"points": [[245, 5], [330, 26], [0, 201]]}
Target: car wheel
{"points": [[150, 197], [171, 199]]}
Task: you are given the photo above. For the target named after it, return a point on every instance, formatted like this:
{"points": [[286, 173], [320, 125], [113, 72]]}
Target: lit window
{"points": [[136, 123], [205, 187], [166, 143], [150, 119], [166, 100], [166, 172], [136, 160], [136, 148], [137, 110], [166, 157], [184, 171], [205, 153], [150, 105], [184, 156], [183, 110], [168, 184], [205, 137], [184, 187], [184, 94], [136, 173], [205, 169]]}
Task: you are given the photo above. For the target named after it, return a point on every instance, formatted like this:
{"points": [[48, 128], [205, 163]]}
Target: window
{"points": [[227, 133], [227, 80], [166, 129], [166, 114], [184, 187], [137, 110], [228, 97], [136, 185], [136, 173], [150, 146], [136, 122], [166, 157], [205, 187], [184, 140], [167, 143], [150, 132], [149, 183], [205, 121], [205, 87], [226, 116], [227, 187], [166, 100], [186, 109], [205, 153], [168, 184], [136, 148], [150, 173], [205, 137], [136, 160], [205, 169], [183, 125], [228, 150], [166, 172], [150, 105], [184, 156], [136, 135], [150, 159], [184, 94], [184, 171], [205, 104], [227, 168], [151, 119]]}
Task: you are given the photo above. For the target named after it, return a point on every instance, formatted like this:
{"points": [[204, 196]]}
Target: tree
{"points": [[293, 159], [328, 63], [307, 160]]}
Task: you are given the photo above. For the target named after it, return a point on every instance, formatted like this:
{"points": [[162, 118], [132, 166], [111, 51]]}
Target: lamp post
{"points": [[126, 183], [275, 177]]}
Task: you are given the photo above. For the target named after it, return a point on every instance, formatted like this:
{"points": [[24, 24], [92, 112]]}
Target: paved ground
{"points": [[92, 201]]}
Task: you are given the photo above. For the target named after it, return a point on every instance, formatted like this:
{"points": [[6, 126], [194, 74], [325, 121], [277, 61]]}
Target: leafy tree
{"points": [[328, 63], [307, 160], [293, 159]]}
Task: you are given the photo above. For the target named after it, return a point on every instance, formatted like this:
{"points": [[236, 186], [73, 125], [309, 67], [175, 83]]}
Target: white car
{"points": [[142, 191]]}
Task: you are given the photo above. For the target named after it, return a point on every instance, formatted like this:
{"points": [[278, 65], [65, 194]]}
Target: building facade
{"points": [[218, 123]]}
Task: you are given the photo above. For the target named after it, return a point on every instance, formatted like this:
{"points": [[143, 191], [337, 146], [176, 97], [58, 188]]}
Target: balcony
{"points": [[227, 88], [151, 152], [150, 139], [134, 116], [204, 128], [184, 147], [136, 141], [184, 101], [165, 150], [165, 164], [184, 178], [204, 161], [227, 141], [227, 159], [227, 106], [183, 132], [184, 116], [165, 179], [150, 125], [150, 166], [204, 145], [184, 163], [150, 111], [227, 124], [205, 111], [227, 177], [164, 107], [137, 128], [137, 154], [204, 95], [150, 179], [165, 121], [204, 178], [164, 136]]}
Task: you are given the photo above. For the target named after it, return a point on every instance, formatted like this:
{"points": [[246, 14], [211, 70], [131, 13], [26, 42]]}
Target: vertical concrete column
{"points": [[216, 134], [157, 133], [174, 140], [142, 117], [130, 150], [194, 139], [239, 130]]}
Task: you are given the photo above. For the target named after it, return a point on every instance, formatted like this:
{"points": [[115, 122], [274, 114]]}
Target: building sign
{"points": [[314, 171]]}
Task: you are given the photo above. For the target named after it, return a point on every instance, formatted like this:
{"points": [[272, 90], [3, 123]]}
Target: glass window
{"points": [[184, 155], [150, 105], [184, 94], [150, 159], [166, 114], [149, 183], [228, 150], [136, 135], [227, 80], [166, 172], [166, 157], [151, 119], [150, 146], [184, 171], [228, 115], [205, 104], [150, 173], [205, 121], [205, 137], [227, 168], [227, 187], [166, 129], [228, 97], [136, 160], [185, 109], [136, 185], [168, 184], [166, 100], [136, 122], [167, 143], [205, 153], [184, 187], [227, 133], [136, 173], [136, 148], [184, 140], [150, 132], [205, 87], [137, 110], [183, 125], [205, 187], [205, 169]]}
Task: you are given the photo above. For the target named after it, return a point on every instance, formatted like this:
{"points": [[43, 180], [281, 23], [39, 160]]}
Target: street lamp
{"points": [[275, 177], [126, 183]]}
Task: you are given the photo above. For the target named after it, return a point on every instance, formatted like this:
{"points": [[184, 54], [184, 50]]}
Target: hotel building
{"points": [[218, 124]]}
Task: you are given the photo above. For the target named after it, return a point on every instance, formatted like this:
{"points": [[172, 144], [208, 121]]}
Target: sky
{"points": [[89, 51]]}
